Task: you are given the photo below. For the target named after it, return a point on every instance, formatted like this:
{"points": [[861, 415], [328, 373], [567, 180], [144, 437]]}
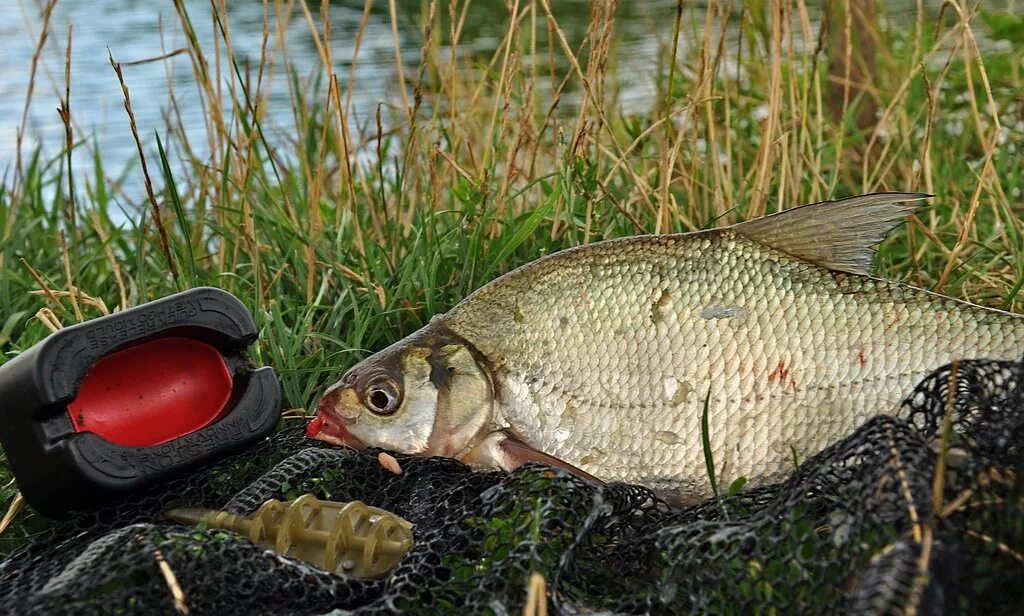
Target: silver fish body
{"points": [[602, 356]]}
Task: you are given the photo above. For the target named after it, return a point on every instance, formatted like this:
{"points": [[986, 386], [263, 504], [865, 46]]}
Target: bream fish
{"points": [[599, 358]]}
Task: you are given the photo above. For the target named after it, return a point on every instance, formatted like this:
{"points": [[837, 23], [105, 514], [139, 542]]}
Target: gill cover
{"points": [[465, 400]]}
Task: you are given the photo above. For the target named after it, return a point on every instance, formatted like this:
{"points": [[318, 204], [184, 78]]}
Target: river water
{"points": [[133, 30]]}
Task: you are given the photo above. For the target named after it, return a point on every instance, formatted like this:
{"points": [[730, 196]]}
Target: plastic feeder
{"points": [[106, 407], [348, 539]]}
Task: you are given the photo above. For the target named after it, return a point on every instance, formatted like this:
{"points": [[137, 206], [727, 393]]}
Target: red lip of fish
{"points": [[326, 427]]}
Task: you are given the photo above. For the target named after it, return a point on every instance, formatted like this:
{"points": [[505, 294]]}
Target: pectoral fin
{"points": [[502, 450]]}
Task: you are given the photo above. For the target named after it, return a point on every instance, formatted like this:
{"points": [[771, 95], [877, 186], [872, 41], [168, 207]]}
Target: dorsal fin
{"points": [[839, 235]]}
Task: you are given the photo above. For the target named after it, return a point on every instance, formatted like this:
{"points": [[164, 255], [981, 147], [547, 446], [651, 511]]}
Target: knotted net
{"points": [[894, 518]]}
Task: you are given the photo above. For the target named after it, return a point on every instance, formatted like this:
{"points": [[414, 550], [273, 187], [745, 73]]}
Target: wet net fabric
{"points": [[918, 513]]}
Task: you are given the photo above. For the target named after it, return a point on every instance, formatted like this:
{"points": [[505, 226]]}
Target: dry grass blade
{"points": [[49, 320], [399, 64], [896, 462], [159, 58], [72, 292], [763, 164], [108, 252], [12, 214], [999, 545], [39, 281], [44, 33], [12, 511], [65, 117], [172, 582], [536, 596], [157, 216], [80, 296], [295, 413], [939, 482]]}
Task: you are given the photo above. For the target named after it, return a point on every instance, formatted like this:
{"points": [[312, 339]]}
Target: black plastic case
{"points": [[59, 469]]}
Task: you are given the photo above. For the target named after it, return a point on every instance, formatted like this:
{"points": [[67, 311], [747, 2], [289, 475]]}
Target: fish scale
{"points": [[795, 355]]}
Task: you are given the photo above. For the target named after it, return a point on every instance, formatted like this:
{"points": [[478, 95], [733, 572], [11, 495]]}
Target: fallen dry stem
{"points": [[172, 582]]}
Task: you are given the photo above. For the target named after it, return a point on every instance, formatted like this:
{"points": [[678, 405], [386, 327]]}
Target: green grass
{"points": [[485, 168]]}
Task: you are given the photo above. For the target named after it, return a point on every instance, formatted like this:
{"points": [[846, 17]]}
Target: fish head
{"points": [[427, 395]]}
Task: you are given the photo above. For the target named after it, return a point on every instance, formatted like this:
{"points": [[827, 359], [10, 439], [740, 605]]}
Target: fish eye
{"points": [[382, 397]]}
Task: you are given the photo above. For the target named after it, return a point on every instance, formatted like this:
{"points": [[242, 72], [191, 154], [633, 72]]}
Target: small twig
{"points": [[172, 582], [157, 218]]}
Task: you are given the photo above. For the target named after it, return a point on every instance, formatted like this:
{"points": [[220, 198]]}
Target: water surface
{"points": [[133, 30]]}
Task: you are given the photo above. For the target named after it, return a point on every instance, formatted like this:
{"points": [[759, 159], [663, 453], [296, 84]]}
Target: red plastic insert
{"points": [[153, 392]]}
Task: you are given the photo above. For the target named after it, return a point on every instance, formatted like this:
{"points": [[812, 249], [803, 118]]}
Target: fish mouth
{"points": [[326, 426]]}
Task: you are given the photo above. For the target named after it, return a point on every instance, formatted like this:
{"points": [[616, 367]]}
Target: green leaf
{"points": [[705, 440], [737, 486], [10, 324], [528, 226], [179, 210]]}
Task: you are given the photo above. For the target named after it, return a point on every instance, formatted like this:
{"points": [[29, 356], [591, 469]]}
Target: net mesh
{"points": [[878, 523]]}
